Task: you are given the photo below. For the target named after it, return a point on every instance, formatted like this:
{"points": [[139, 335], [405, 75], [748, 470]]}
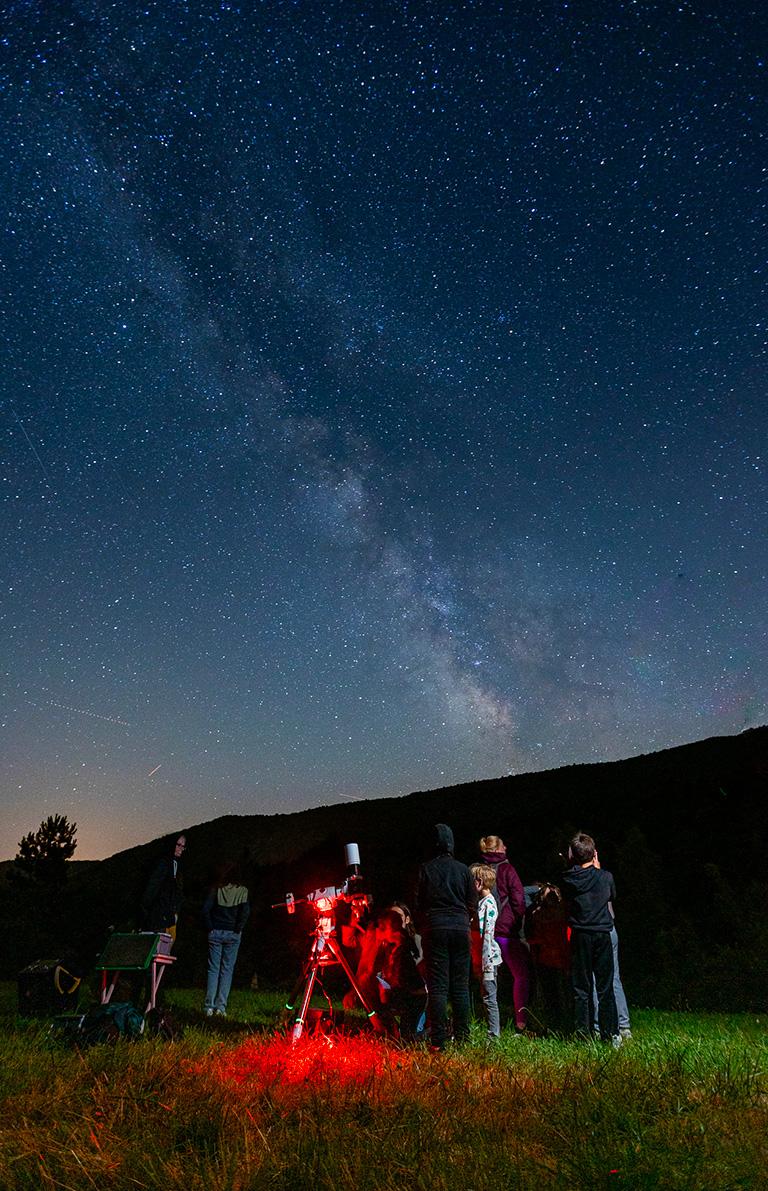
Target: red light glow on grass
{"points": [[341, 1059]]}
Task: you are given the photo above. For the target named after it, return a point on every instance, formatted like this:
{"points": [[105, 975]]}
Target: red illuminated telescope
{"points": [[324, 947], [324, 900]]}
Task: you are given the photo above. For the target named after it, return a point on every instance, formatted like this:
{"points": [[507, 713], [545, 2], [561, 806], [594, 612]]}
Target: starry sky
{"points": [[383, 397]]}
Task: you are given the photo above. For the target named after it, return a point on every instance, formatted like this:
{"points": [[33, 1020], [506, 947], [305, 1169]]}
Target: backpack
{"points": [[107, 1023], [501, 901]]}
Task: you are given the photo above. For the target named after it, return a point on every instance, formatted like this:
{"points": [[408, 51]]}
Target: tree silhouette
{"points": [[43, 853]]}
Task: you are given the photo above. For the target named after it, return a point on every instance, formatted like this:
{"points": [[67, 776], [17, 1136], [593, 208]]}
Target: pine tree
{"points": [[43, 853]]}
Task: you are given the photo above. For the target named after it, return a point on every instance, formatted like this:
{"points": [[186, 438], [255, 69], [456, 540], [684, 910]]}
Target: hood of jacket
{"points": [[443, 839], [231, 895], [584, 879]]}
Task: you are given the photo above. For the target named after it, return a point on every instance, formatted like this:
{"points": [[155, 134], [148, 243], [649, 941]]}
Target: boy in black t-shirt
{"points": [[588, 890]]}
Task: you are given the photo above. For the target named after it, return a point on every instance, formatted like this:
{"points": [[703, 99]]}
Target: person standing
{"points": [[225, 912], [486, 955], [446, 899], [590, 892], [546, 933], [622, 1009], [164, 893], [511, 902]]}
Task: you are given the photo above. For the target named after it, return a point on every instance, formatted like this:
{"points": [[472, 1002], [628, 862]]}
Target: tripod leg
{"points": [[373, 1014], [312, 960], [298, 1025], [291, 1002]]}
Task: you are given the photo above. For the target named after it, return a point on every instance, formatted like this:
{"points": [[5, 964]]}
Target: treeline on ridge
{"points": [[685, 832]]}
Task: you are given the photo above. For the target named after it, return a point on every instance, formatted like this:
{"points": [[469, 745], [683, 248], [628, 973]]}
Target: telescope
{"points": [[325, 949], [324, 900]]}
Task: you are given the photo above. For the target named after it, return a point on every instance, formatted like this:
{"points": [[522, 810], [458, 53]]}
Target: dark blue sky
{"points": [[383, 399]]}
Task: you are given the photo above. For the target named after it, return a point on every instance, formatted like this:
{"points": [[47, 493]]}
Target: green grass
{"points": [[230, 1106]]}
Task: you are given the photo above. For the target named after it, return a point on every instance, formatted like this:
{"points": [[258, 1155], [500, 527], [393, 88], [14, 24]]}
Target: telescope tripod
{"points": [[325, 951]]}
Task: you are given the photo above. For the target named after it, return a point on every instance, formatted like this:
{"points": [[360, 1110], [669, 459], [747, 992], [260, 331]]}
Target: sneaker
{"points": [[617, 1041], [625, 1032], [209, 1013], [220, 1012]]}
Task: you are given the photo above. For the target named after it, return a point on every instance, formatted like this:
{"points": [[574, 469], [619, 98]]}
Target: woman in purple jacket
{"points": [[511, 900]]}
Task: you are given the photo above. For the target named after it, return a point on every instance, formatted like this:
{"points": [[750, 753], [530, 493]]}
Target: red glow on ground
{"points": [[341, 1058]]}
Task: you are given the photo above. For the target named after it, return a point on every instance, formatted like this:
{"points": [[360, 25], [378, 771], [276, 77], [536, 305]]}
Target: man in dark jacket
{"points": [[445, 900], [589, 890]]}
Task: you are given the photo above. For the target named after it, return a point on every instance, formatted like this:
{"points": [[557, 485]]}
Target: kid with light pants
{"points": [[486, 955]]}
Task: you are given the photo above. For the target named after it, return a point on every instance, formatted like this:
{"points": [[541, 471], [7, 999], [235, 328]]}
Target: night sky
{"points": [[383, 398]]}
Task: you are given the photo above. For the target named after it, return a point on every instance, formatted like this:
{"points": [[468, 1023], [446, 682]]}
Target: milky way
{"points": [[383, 401]]}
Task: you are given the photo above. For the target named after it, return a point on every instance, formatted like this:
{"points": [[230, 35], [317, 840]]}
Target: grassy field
{"points": [[231, 1106]]}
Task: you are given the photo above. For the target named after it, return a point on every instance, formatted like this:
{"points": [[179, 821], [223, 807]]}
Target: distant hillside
{"points": [[685, 832]]}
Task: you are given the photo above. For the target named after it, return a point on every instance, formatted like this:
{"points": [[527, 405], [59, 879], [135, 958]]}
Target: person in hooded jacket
{"points": [[446, 899], [225, 912], [511, 902], [590, 892]]}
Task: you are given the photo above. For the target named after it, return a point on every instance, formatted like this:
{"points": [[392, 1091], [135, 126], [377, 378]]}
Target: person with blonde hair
{"points": [[510, 900], [486, 955]]}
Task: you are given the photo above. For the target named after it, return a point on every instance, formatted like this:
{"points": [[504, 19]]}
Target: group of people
{"points": [[481, 916], [225, 911], [557, 939]]}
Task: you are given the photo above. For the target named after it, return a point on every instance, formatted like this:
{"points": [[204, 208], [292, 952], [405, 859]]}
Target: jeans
{"points": [[515, 955], [448, 964], [490, 1004], [618, 988], [223, 946], [402, 1010], [592, 959]]}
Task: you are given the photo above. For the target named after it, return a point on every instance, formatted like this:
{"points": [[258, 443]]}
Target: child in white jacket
{"points": [[486, 954]]}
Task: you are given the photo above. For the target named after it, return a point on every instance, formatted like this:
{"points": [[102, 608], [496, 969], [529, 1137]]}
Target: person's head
{"points": [[390, 927], [548, 895], [226, 874], [581, 849], [492, 843], [484, 876], [443, 839], [401, 909], [180, 846]]}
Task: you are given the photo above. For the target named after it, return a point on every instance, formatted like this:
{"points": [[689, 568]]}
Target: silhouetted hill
{"points": [[684, 830]]}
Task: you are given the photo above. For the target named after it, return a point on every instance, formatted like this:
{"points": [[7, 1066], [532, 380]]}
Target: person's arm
{"points": [[243, 914], [207, 907], [152, 889], [470, 895], [567, 890], [514, 891], [486, 936], [420, 900], [366, 966]]}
